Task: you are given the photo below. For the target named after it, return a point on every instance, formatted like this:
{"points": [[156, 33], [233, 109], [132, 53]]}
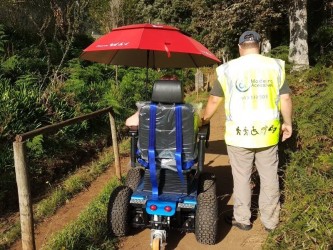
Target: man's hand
{"points": [[286, 111], [211, 107], [204, 121], [287, 131]]}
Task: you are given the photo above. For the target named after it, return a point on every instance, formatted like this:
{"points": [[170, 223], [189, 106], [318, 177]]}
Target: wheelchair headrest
{"points": [[168, 91]]}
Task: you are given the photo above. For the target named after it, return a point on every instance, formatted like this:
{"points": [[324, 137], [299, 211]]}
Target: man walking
{"points": [[255, 94]]}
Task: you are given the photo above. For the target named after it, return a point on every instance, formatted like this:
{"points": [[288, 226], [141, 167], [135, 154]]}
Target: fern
{"points": [[36, 145]]}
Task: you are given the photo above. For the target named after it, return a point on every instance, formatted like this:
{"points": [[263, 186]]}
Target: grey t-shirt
{"points": [[217, 89]]}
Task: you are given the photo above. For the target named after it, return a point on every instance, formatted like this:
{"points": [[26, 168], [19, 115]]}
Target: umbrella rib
{"points": [[111, 58], [196, 65]]}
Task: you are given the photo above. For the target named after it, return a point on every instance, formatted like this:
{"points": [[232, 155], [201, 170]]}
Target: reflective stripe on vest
{"points": [[251, 86]]}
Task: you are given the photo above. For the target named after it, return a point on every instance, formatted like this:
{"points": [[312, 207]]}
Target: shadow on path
{"points": [[217, 147]]}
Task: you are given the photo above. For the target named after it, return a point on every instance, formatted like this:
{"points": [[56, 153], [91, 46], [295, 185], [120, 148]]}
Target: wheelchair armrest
{"points": [[203, 135], [133, 132]]}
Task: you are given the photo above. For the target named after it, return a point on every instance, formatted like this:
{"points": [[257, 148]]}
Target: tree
{"points": [[298, 47], [176, 12], [220, 23], [104, 15], [320, 26], [67, 26]]}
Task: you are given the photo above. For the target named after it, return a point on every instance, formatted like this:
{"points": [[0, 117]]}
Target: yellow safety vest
{"points": [[251, 85]]}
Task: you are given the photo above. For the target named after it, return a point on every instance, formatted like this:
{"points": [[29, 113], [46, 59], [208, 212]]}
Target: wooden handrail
{"points": [[54, 127]]}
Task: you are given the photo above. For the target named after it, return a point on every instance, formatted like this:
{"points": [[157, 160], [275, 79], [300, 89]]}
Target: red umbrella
{"points": [[149, 45]]}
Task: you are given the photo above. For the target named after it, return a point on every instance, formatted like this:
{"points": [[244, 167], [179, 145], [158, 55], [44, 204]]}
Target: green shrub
{"points": [[25, 106], [282, 53], [323, 46], [20, 108]]}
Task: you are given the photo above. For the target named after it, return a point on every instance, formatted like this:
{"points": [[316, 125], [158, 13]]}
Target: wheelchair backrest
{"points": [[167, 95]]}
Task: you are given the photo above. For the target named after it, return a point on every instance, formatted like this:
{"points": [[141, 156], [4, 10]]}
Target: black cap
{"points": [[249, 36]]}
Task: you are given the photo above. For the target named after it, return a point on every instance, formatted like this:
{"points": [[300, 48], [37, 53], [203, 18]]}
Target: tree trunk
{"points": [[298, 47], [115, 14], [266, 47]]}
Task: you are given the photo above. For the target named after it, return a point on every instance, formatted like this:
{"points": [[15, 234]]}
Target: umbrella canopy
{"points": [[149, 45]]}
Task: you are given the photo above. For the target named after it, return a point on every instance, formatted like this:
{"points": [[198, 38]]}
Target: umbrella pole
{"points": [[147, 83], [147, 74]]}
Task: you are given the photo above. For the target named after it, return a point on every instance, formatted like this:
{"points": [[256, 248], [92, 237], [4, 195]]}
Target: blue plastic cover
{"points": [[165, 136]]}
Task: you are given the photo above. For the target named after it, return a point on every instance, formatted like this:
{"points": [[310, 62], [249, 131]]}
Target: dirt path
{"points": [[216, 161]]}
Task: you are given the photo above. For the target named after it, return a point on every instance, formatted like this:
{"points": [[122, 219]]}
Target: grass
{"points": [[89, 231], [307, 211]]}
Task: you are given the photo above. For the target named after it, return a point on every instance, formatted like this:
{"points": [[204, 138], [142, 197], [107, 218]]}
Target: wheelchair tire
{"points": [[133, 178], [206, 216], [118, 216]]}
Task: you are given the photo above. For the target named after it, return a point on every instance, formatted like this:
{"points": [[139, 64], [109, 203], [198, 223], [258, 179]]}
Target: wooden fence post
{"points": [[23, 187], [115, 145]]}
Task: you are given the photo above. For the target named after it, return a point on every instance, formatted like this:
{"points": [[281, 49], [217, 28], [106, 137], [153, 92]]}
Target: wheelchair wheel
{"points": [[206, 216], [118, 216], [133, 177]]}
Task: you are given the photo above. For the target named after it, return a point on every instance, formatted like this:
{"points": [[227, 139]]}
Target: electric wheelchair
{"points": [[166, 187]]}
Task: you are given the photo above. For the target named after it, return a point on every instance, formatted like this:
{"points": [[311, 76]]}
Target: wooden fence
{"points": [[21, 170]]}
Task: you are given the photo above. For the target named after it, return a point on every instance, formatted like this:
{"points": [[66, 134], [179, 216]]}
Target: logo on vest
{"points": [[256, 83], [261, 83], [242, 87], [256, 131]]}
